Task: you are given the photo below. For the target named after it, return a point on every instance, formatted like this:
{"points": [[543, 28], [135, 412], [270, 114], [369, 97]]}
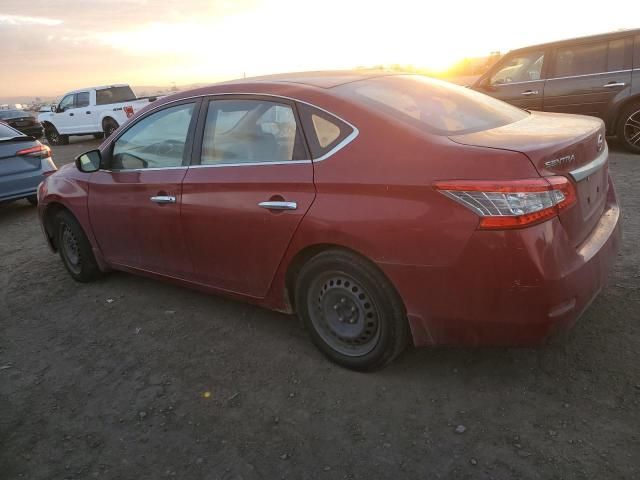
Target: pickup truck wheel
{"points": [[53, 137], [110, 126], [629, 127]]}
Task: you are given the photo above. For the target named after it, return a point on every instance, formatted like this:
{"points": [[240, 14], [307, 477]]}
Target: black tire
{"points": [[53, 137], [33, 200], [98, 136], [352, 312], [75, 249], [629, 127], [109, 126]]}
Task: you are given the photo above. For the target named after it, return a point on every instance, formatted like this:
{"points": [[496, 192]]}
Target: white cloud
{"points": [[23, 20]]}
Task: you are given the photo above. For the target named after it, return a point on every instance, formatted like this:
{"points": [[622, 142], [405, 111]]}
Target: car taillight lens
{"points": [[39, 151], [511, 204]]}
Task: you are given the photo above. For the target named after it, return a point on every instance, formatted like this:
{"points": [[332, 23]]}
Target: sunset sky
{"points": [[49, 46]]}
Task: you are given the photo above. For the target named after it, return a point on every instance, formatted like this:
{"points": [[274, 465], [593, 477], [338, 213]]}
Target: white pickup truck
{"points": [[96, 111]]}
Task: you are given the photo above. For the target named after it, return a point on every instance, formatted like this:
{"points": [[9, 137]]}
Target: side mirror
{"points": [[89, 161]]}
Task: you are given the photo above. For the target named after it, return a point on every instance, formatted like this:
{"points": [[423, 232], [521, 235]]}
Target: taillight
{"points": [[39, 151], [128, 110], [511, 204]]}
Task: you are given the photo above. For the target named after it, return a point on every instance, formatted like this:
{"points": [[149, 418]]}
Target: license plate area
{"points": [[592, 192]]}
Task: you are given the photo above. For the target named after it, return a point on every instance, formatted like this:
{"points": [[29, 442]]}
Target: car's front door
{"points": [[134, 203], [62, 117], [518, 79], [584, 78], [82, 113], [243, 201]]}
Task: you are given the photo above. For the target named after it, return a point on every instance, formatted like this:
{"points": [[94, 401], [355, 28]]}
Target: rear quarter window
{"points": [[431, 105], [323, 130]]}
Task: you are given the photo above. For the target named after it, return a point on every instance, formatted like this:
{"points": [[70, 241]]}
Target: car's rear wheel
{"points": [[352, 312], [629, 127], [109, 127], [75, 249], [33, 200], [53, 137]]}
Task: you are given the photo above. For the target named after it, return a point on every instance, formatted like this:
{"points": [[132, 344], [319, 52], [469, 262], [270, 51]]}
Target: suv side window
{"points": [[590, 58], [250, 131], [520, 67], [157, 141], [82, 99], [66, 103]]}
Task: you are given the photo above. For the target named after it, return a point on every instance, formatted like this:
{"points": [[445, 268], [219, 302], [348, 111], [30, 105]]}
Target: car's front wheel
{"points": [[352, 312], [629, 127], [75, 249]]}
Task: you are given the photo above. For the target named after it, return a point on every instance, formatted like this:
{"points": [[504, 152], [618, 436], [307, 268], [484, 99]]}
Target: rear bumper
{"points": [[15, 187], [510, 287]]}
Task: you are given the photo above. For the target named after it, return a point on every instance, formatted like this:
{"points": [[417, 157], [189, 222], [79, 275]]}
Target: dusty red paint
{"points": [[460, 285]]}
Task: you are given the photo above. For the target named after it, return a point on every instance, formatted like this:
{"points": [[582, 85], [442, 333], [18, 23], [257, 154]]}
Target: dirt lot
{"points": [[130, 378]]}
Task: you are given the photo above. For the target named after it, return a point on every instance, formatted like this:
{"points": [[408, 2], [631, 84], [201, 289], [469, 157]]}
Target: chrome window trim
{"points": [[591, 74], [346, 141], [584, 171], [152, 169], [516, 83], [249, 164]]}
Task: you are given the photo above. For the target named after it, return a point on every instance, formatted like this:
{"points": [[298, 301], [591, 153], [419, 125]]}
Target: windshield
{"points": [[14, 114], [433, 105], [114, 95]]}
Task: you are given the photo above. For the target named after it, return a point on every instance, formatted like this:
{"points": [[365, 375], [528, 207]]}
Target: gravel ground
{"points": [[130, 378]]}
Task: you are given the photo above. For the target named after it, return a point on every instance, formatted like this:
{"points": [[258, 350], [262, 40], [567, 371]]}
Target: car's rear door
{"points": [[250, 187], [585, 78], [134, 203], [518, 79]]}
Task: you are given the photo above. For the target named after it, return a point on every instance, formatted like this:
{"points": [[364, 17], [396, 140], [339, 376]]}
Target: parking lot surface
{"points": [[130, 378]]}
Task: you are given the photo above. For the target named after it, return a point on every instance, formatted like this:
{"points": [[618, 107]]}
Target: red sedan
{"points": [[379, 208]]}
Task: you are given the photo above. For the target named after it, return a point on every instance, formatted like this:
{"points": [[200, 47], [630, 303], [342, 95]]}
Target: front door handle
{"points": [[530, 92], [614, 84], [275, 205], [71, 114], [162, 199]]}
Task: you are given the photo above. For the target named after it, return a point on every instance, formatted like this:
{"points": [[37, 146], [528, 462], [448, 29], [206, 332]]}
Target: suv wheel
{"points": [[352, 312], [629, 127]]}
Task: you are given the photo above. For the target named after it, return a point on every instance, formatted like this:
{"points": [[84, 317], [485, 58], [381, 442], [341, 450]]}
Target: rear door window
{"points": [[591, 58], [250, 131]]}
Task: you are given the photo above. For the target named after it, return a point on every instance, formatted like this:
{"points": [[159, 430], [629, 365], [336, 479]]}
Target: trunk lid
{"points": [[559, 144], [11, 164]]}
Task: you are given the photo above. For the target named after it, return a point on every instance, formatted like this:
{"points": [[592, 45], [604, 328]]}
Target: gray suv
{"points": [[597, 75]]}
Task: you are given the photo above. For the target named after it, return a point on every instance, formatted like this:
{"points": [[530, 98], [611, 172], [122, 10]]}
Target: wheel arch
{"points": [[48, 218], [107, 118], [305, 254], [617, 115]]}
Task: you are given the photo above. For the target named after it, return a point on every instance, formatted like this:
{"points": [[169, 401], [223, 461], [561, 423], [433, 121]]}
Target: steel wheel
{"points": [[344, 314], [632, 129], [70, 250]]}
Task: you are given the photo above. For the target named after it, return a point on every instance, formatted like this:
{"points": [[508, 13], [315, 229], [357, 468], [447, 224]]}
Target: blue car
{"points": [[24, 162]]}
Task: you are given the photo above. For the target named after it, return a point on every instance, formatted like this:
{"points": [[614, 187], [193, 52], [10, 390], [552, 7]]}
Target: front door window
{"points": [[523, 67]]}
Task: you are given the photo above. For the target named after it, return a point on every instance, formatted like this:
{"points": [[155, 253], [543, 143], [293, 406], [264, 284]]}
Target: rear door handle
{"points": [[530, 92], [614, 84], [87, 113], [162, 199], [71, 114], [271, 205]]}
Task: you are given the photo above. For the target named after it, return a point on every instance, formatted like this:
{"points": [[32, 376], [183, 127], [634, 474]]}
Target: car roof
{"points": [[589, 38], [321, 79]]}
